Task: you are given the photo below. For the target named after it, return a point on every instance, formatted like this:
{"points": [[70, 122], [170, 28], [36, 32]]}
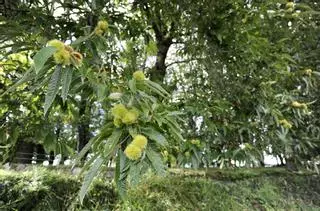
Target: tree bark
{"points": [[83, 126], [164, 38], [159, 71], [41, 153]]}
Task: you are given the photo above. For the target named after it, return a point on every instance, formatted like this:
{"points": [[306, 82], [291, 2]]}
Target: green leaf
{"points": [[112, 142], [155, 135], [146, 96], [49, 142], [174, 128], [176, 134], [194, 162], [151, 48], [157, 88], [121, 173], [105, 132], [219, 36], [80, 40], [132, 85], [84, 150], [66, 81], [132, 131], [158, 119], [89, 177], [26, 77], [156, 161], [53, 88], [101, 91], [316, 73], [42, 56], [88, 164], [135, 173], [171, 121], [44, 71], [289, 58]]}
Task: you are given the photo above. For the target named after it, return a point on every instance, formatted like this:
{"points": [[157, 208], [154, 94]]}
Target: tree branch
{"points": [[182, 61]]}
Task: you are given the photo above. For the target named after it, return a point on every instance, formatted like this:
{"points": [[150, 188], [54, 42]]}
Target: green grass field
{"points": [[233, 189]]}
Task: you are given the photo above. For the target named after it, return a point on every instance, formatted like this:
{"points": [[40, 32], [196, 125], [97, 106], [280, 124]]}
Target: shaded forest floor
{"points": [[215, 189]]}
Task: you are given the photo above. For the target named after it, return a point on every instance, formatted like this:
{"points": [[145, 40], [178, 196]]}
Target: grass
{"points": [[240, 189], [43, 189], [214, 189]]}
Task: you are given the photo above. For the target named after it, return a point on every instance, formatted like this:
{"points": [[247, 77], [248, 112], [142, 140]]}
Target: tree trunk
{"points": [[159, 71], [51, 157], [281, 160], [24, 152], [164, 37], [291, 164], [41, 153], [83, 126]]}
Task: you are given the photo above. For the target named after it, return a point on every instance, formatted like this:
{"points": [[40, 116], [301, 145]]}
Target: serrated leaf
{"points": [[171, 121], [42, 56], [39, 84], [53, 88], [89, 177], [43, 72], [156, 161], [155, 135], [176, 134], [155, 90], [66, 81], [134, 173], [174, 113], [84, 150], [112, 141], [158, 119], [157, 87], [121, 173], [105, 132], [174, 129], [144, 95]]}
